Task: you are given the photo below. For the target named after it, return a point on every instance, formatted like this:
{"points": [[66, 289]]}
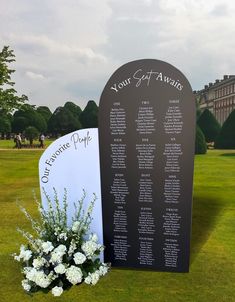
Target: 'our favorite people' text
{"points": [[76, 142]]}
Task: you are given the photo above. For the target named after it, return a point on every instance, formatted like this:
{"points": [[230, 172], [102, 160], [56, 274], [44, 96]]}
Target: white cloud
{"points": [[69, 49], [34, 76]]}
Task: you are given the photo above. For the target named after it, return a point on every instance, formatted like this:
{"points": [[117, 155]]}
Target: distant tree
{"points": [[200, 142], [209, 125], [28, 116], [226, 138], [19, 124], [31, 133], [73, 108], [89, 116], [9, 101], [5, 125], [45, 112], [62, 122]]}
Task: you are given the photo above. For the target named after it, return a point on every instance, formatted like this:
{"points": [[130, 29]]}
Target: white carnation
{"points": [[79, 258], [47, 247], [88, 279], [95, 277], [39, 262], [92, 278], [103, 269], [60, 269], [31, 273], [74, 275], [57, 254], [89, 248], [57, 291], [26, 285], [56, 257], [42, 279]]}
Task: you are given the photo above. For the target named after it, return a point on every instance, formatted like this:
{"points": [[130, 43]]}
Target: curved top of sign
{"points": [[147, 73]]}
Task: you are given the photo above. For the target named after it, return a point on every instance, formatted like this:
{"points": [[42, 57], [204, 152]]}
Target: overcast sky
{"points": [[67, 50]]}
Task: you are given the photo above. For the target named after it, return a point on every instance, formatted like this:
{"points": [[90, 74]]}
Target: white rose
{"points": [[79, 258], [25, 284], [61, 248], [74, 274], [47, 247], [57, 291], [60, 269]]}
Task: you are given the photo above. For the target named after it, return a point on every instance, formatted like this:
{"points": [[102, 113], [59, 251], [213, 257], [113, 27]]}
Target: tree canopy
{"points": [[28, 116], [226, 138], [209, 125], [62, 122], [89, 116], [9, 101], [200, 142]]}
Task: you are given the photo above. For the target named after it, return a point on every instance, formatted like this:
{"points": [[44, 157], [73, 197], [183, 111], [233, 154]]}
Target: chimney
{"points": [[210, 84], [206, 86], [216, 81], [225, 77]]}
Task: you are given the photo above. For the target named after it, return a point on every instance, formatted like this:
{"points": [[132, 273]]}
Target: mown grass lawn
{"points": [[212, 269]]}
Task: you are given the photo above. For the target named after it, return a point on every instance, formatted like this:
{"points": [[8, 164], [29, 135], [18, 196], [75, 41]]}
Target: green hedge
{"points": [[200, 143], [226, 138]]}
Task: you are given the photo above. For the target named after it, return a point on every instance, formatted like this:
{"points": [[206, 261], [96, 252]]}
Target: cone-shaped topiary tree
{"points": [[226, 138], [209, 125], [89, 116], [200, 143]]}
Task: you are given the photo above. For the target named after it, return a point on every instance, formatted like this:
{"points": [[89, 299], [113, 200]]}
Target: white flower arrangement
{"points": [[59, 256]]}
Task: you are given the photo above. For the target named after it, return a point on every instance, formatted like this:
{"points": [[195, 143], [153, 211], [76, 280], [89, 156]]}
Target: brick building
{"points": [[218, 97]]}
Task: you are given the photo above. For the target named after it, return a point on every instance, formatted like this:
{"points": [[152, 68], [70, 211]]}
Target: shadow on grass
{"points": [[228, 154], [206, 211]]}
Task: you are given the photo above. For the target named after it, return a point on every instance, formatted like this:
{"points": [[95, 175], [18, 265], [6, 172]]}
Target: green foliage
{"points": [[45, 112], [89, 116], [62, 122], [9, 101], [31, 133], [19, 124], [200, 143], [5, 124], [209, 125], [28, 116], [74, 109], [226, 138]]}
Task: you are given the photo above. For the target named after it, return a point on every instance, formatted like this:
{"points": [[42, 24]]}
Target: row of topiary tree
{"points": [[32, 121], [209, 132]]}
